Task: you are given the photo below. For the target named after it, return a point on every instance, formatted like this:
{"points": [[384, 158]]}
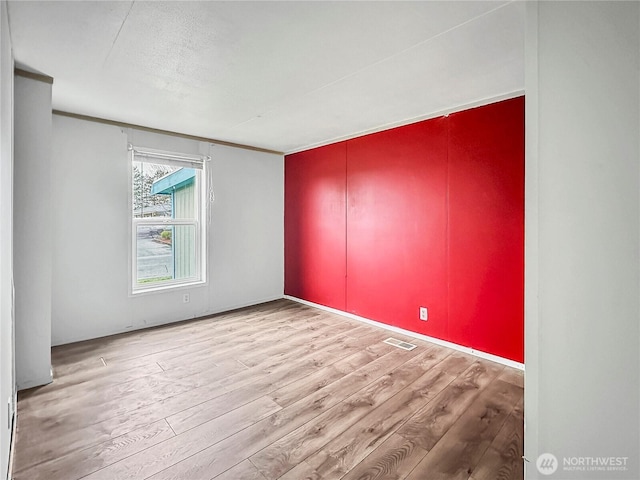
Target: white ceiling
{"points": [[276, 75]]}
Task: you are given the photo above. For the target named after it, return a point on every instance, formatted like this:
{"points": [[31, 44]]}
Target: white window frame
{"points": [[199, 163]]}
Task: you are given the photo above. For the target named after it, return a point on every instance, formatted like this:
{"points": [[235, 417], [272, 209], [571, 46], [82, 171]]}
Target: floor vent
{"points": [[400, 344]]}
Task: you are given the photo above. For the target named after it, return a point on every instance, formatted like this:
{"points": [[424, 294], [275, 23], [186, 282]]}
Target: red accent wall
{"points": [[486, 228], [396, 226], [315, 225], [430, 214]]}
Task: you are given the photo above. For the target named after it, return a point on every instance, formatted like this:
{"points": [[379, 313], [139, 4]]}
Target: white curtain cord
{"points": [[210, 194]]}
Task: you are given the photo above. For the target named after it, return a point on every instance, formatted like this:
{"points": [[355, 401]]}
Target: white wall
{"points": [[32, 228], [247, 245], [7, 387], [91, 233], [582, 212]]}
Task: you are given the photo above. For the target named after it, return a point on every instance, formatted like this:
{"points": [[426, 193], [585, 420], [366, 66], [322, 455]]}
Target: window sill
{"points": [[166, 288]]}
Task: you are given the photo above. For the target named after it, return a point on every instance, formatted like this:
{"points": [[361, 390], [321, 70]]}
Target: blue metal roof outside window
{"points": [[167, 184]]}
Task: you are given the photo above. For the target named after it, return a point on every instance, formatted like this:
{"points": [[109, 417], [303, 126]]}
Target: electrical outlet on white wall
{"points": [[185, 298], [424, 314]]}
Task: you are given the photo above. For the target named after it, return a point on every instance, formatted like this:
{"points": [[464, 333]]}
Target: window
{"points": [[168, 209]]}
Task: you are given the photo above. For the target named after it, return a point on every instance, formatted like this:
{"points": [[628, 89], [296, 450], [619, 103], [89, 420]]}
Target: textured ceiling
{"points": [[276, 75]]}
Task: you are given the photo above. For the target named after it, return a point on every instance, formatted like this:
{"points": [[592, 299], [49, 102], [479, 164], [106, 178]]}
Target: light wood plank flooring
{"points": [[275, 391]]}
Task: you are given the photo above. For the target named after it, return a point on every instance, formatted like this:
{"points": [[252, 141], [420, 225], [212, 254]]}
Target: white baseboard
{"points": [[426, 338], [38, 382], [117, 331], [12, 440]]}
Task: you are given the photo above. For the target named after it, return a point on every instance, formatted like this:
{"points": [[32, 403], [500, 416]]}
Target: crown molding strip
{"points": [[163, 132], [40, 77], [408, 121]]}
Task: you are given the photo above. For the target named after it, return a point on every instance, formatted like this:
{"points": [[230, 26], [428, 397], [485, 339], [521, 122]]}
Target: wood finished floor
{"points": [[276, 391]]}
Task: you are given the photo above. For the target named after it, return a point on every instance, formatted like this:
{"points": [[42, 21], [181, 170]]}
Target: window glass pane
{"points": [[167, 211], [165, 253], [155, 253], [184, 246], [156, 188]]}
